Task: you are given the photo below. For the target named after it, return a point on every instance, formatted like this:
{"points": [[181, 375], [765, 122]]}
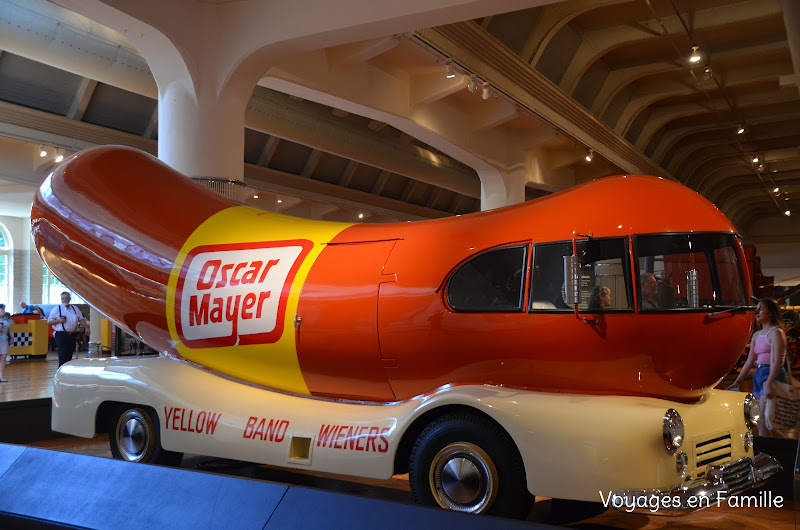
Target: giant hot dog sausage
{"points": [[361, 311]]}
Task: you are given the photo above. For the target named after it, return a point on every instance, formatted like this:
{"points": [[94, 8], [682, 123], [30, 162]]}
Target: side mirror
{"points": [[572, 279], [692, 295]]}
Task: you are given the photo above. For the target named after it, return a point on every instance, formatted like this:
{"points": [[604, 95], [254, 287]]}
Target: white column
{"points": [[94, 324], [199, 134], [501, 188]]}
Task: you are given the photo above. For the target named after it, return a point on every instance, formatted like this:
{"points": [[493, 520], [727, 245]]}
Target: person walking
{"points": [[65, 319], [767, 351]]}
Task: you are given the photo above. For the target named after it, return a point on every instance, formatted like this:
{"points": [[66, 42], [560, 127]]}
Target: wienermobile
{"points": [[469, 352]]}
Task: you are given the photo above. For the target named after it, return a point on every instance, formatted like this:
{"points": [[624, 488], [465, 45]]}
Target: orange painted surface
{"points": [[374, 324], [676, 354], [337, 340]]}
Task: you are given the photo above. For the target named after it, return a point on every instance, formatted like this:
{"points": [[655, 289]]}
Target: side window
{"points": [[492, 281], [547, 288], [604, 270], [604, 273]]}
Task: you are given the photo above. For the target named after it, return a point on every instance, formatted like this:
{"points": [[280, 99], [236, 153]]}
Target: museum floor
{"points": [[32, 379]]}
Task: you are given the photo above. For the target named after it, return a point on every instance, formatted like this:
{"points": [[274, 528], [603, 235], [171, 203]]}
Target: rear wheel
{"points": [[468, 463], [135, 437]]}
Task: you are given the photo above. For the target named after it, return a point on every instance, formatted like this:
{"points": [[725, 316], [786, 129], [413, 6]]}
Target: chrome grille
{"points": [[711, 450], [737, 476]]}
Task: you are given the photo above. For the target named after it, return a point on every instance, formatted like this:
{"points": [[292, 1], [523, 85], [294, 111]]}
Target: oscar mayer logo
{"points": [[236, 293]]}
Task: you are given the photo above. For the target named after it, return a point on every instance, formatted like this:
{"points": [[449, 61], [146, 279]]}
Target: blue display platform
{"points": [[50, 489]]}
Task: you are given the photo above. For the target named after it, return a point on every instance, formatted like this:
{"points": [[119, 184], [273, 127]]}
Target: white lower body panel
{"points": [[573, 446]]}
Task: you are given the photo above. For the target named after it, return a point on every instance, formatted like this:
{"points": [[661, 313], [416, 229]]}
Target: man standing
{"points": [[65, 319], [649, 290], [32, 308]]}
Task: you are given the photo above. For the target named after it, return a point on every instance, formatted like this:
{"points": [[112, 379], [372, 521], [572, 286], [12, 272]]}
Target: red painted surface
{"points": [[110, 222]]}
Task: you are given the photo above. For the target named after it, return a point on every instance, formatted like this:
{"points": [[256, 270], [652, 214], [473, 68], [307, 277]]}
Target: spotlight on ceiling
{"points": [[787, 213], [42, 151], [694, 58], [473, 83], [279, 200], [59, 155], [776, 191], [255, 195], [486, 92], [755, 159], [590, 155], [740, 129], [360, 215], [449, 71], [706, 73]]}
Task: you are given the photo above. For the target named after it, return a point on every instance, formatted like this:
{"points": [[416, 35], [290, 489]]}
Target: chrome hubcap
{"points": [[133, 436], [463, 478]]}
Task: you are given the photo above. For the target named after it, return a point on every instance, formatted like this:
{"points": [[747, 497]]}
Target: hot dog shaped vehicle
{"points": [[462, 350]]}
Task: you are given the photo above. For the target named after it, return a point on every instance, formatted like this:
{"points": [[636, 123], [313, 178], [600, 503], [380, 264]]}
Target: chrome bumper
{"points": [[720, 482]]}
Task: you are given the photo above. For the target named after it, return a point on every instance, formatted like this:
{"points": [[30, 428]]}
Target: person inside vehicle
{"points": [[649, 290], [600, 297]]}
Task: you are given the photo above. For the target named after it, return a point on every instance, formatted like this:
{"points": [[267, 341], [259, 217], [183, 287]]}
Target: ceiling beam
{"points": [[316, 190], [81, 100]]}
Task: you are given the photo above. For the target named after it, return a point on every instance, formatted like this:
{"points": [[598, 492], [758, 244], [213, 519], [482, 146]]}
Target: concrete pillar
{"points": [[199, 134], [36, 271], [94, 323], [501, 187]]}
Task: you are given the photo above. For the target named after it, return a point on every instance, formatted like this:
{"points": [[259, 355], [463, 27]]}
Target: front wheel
{"points": [[135, 437], [468, 463]]}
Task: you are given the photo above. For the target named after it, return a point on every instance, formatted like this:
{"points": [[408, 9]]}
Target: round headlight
{"points": [[752, 410], [673, 431]]}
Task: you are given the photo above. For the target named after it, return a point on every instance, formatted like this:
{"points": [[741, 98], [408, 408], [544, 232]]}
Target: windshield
{"points": [[688, 271]]}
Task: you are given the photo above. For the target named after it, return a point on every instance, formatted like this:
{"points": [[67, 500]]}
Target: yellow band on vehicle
{"points": [[234, 289]]}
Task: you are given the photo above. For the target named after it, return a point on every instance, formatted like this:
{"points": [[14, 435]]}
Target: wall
{"points": [[782, 261], [780, 251], [27, 266]]}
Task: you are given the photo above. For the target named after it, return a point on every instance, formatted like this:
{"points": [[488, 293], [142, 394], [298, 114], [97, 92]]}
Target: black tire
{"points": [[468, 463], [135, 437]]}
